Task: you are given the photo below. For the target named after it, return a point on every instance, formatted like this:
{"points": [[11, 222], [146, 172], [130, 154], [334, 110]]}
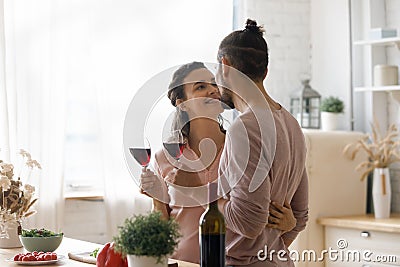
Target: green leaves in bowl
{"points": [[39, 233]]}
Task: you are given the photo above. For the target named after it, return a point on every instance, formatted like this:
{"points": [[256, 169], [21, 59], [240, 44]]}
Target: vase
{"points": [[146, 261], [329, 121], [381, 193], [12, 239]]}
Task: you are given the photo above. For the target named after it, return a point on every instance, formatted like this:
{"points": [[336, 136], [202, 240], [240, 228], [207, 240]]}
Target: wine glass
{"points": [[174, 144], [142, 154]]}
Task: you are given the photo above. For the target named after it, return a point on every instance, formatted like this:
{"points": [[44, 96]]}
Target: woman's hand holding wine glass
{"points": [[153, 186], [150, 184]]}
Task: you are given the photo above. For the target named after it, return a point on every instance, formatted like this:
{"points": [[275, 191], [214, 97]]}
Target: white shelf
{"points": [[377, 88], [393, 90], [381, 42]]}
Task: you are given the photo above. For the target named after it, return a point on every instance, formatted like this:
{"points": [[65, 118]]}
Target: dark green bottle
{"points": [[212, 232]]}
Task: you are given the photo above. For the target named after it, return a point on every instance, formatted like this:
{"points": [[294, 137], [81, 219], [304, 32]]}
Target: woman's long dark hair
{"points": [[176, 91]]}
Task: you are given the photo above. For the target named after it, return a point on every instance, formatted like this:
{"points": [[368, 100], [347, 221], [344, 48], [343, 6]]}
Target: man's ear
{"points": [[181, 105], [226, 65]]}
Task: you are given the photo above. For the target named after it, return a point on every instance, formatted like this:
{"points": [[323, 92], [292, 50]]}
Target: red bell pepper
{"points": [[107, 257]]}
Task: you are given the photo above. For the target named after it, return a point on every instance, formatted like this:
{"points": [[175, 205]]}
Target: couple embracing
{"points": [[258, 162]]}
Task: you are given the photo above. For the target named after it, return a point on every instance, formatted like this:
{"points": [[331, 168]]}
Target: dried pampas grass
{"points": [[381, 150]]}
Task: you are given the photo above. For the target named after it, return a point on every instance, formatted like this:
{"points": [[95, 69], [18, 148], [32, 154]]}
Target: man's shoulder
{"points": [[254, 117], [244, 123]]}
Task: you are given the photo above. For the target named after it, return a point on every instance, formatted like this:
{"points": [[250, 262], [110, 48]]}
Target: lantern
{"points": [[305, 106]]}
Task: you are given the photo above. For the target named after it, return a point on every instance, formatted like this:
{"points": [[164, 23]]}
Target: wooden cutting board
{"points": [[85, 257]]}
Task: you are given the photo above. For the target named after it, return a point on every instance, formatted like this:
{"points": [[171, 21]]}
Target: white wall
{"points": [[287, 26], [330, 60], [306, 38]]}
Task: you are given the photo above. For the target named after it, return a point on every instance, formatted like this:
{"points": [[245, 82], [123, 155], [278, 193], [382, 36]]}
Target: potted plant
{"points": [[381, 151], [331, 107], [147, 240]]}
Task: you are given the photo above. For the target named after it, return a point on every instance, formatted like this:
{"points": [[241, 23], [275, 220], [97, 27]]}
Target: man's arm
{"points": [[299, 206], [242, 163]]}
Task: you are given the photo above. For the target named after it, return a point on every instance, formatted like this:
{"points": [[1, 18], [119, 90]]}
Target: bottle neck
{"points": [[213, 205], [212, 196]]}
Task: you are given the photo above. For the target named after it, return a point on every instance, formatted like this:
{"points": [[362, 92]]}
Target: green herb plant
{"points": [[332, 104], [147, 235], [94, 252]]}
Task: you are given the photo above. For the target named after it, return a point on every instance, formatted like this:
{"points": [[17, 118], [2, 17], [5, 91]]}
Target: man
{"points": [[254, 173]]}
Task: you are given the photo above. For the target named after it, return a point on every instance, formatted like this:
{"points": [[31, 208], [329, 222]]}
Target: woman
{"points": [[197, 100]]}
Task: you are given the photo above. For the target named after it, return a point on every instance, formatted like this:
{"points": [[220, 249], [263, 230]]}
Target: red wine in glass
{"points": [[141, 155], [174, 144], [174, 149]]}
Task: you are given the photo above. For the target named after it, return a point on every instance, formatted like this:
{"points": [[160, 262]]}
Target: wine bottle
{"points": [[212, 232]]}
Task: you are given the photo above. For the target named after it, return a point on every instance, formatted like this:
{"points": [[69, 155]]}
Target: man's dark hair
{"points": [[246, 50]]}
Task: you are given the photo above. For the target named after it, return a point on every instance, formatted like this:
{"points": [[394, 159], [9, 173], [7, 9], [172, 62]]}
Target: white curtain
{"points": [[114, 46], [32, 107], [4, 124]]}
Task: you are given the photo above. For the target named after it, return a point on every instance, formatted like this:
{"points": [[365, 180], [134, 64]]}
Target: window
{"points": [[111, 51], [83, 171]]}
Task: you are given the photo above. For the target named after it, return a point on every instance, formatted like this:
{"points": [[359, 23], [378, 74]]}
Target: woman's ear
{"points": [[180, 104]]}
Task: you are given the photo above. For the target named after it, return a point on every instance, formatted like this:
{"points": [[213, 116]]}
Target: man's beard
{"points": [[226, 98]]}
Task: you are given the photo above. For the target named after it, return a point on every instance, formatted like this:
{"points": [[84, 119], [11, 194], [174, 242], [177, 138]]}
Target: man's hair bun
{"points": [[251, 26]]}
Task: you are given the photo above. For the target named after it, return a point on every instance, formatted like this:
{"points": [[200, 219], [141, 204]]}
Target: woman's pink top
{"points": [[185, 209]]}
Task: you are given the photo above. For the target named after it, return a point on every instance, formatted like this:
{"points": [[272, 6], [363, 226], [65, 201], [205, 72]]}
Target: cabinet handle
{"points": [[365, 234]]}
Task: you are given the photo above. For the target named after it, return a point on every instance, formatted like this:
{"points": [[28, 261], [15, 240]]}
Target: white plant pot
{"points": [[381, 193], [329, 121], [145, 261]]}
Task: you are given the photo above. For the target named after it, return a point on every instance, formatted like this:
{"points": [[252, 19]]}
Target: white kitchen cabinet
{"points": [[362, 241], [86, 219]]}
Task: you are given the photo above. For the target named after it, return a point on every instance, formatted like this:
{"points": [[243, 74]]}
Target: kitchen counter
{"points": [[362, 240], [362, 222], [67, 245]]}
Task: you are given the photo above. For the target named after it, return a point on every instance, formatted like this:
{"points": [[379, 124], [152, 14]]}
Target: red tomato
{"points": [[32, 258], [25, 258], [16, 257], [40, 257], [47, 257], [53, 256], [35, 253]]}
